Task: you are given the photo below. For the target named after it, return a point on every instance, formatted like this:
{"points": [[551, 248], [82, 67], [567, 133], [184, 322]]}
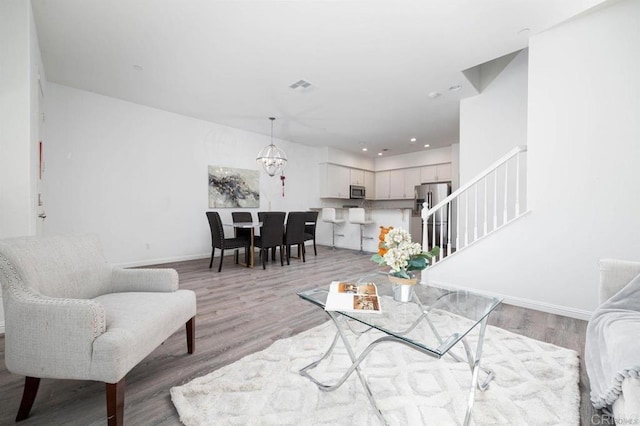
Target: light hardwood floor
{"points": [[241, 311]]}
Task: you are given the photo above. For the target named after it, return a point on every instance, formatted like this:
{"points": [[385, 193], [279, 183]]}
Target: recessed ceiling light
{"points": [[364, 149], [455, 88], [379, 153], [434, 95], [138, 68], [427, 145], [413, 139]]}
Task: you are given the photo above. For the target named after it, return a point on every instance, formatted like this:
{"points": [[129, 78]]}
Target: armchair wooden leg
{"points": [[31, 385], [115, 403], [191, 335]]}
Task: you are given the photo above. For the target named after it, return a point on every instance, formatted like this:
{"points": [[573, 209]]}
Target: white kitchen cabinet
{"points": [[370, 185], [334, 181], [411, 179], [382, 186], [435, 173], [357, 177], [396, 184], [444, 172]]}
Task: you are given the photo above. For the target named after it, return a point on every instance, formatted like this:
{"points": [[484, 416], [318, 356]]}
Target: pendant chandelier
{"points": [[272, 159]]}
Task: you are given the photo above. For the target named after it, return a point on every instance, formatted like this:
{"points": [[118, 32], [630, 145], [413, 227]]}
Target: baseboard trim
{"points": [[551, 308], [160, 261]]}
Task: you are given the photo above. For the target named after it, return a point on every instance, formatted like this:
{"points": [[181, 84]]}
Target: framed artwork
{"points": [[232, 188]]}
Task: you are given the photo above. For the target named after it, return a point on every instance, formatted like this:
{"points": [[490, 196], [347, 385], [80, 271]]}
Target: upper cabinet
{"points": [[357, 177], [435, 173], [397, 184], [370, 185], [411, 179], [382, 186], [334, 181]]}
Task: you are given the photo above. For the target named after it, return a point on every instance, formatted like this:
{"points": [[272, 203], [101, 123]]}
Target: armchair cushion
{"points": [[136, 322]]}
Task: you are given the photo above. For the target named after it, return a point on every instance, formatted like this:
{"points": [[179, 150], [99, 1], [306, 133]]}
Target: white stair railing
{"points": [[489, 201]]}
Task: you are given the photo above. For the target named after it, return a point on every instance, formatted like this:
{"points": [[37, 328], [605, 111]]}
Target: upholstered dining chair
{"points": [[70, 315], [261, 219], [294, 233], [219, 241], [241, 232], [271, 235], [311, 218]]}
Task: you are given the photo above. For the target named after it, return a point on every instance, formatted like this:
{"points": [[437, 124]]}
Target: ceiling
{"points": [[371, 64]]}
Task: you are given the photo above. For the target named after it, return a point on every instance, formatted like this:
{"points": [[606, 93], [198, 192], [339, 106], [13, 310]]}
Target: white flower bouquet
{"points": [[397, 251]]}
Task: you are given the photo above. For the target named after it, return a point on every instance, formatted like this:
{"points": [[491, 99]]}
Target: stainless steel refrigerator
{"points": [[432, 194]]}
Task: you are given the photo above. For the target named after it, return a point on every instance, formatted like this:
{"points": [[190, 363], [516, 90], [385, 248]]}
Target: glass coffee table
{"points": [[409, 320]]}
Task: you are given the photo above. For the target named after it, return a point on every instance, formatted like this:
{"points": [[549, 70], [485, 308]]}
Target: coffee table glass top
{"points": [[434, 320]]}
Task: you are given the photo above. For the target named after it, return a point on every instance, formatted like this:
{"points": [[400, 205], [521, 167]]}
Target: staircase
{"points": [[491, 200]]}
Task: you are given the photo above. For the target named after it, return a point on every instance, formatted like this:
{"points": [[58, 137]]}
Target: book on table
{"points": [[351, 297]]}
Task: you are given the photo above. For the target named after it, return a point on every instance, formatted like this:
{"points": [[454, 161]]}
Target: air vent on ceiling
{"points": [[300, 84]]}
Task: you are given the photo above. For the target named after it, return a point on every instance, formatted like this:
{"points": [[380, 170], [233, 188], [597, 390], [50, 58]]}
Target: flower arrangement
{"points": [[398, 252]]}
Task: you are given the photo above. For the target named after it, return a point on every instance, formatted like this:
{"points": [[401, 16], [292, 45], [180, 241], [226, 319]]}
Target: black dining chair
{"points": [[294, 234], [271, 235], [241, 232], [261, 219], [219, 241], [310, 229]]}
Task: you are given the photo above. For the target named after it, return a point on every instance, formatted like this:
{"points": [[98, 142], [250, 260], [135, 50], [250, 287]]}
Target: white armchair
{"points": [[70, 315], [624, 401]]}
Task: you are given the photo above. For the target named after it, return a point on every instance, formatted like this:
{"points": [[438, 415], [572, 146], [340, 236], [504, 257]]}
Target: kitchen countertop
{"points": [[366, 208]]}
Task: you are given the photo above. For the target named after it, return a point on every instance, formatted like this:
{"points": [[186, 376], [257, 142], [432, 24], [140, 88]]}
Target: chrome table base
{"points": [[472, 360]]}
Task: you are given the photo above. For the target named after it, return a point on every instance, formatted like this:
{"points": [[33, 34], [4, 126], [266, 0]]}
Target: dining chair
{"points": [[241, 232], [261, 219], [294, 233], [219, 241], [311, 217], [271, 235]]}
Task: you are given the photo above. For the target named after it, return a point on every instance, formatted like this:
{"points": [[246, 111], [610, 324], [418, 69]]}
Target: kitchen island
{"points": [[398, 217]]}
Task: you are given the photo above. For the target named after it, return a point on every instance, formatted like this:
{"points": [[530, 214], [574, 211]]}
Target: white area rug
{"points": [[536, 384]]}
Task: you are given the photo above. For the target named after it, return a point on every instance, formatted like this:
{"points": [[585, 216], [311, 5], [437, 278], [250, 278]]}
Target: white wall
{"points": [[583, 134], [494, 122], [414, 159], [137, 176], [348, 159]]}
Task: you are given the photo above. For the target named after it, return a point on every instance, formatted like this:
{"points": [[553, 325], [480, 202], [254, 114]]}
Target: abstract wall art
{"points": [[232, 188]]}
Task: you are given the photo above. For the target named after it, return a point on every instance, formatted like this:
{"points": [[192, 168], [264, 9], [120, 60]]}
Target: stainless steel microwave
{"points": [[356, 192]]}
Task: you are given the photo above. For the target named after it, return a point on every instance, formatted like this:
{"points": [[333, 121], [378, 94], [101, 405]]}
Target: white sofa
{"points": [[614, 276], [70, 315]]}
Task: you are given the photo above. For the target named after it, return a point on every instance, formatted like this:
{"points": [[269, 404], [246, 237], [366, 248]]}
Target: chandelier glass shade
{"points": [[272, 159]]}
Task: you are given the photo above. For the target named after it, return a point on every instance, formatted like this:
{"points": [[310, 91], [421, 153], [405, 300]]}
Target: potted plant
{"points": [[398, 252]]}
